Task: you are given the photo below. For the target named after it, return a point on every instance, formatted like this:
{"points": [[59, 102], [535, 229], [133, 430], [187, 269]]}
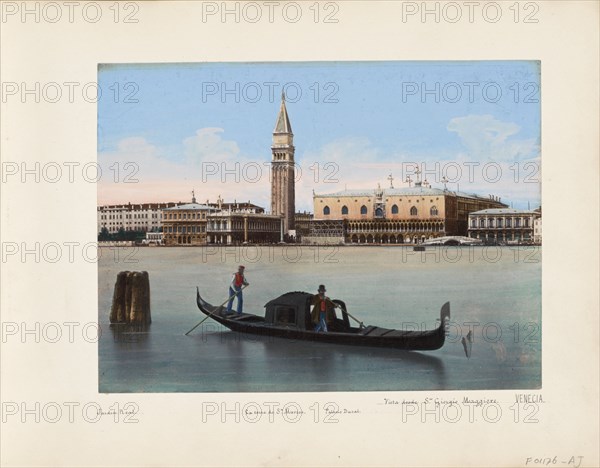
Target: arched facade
{"points": [[385, 231], [400, 215]]}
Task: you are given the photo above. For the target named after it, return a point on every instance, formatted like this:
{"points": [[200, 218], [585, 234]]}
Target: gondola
{"points": [[288, 316]]}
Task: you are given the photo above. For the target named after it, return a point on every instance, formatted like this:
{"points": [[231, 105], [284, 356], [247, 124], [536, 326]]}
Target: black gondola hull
{"points": [[427, 340]]}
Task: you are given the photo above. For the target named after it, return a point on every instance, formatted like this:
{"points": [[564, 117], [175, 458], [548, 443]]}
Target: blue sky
{"points": [[365, 119]]}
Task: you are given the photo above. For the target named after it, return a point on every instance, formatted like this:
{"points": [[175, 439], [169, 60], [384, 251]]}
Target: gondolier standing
{"points": [[235, 289], [322, 311]]}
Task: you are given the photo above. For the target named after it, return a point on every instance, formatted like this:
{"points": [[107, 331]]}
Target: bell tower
{"points": [[283, 192]]}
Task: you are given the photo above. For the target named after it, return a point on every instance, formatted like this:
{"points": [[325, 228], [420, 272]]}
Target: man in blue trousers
{"points": [[235, 290]]}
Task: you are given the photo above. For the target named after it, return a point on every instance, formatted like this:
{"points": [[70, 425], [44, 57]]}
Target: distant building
{"points": [[325, 231], [174, 224], [537, 231], [302, 222], [506, 225], [186, 224], [221, 205], [131, 217], [400, 215], [244, 226], [153, 238]]}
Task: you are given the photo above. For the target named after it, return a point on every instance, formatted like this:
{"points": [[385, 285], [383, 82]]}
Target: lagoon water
{"points": [[493, 291]]}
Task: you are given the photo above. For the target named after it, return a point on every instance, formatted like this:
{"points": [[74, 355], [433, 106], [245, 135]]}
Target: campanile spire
{"points": [[283, 121]]}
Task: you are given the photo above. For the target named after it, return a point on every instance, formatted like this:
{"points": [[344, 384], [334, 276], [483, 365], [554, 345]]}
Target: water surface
{"points": [[496, 292]]}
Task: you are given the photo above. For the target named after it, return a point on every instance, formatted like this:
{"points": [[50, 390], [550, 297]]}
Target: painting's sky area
{"points": [[208, 127]]}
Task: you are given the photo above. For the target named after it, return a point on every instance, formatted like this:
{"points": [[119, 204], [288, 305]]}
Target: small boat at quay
{"points": [[289, 316]]}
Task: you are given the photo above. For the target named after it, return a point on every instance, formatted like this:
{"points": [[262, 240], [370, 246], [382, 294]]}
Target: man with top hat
{"points": [[322, 312], [235, 289]]}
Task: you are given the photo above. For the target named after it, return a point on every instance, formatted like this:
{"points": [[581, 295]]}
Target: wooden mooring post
{"points": [[131, 299]]}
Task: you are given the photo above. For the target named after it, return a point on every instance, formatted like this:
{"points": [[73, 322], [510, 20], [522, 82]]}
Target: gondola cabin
{"points": [[293, 310]]}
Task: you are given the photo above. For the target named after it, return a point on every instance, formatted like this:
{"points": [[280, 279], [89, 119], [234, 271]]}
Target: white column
{"points": [[281, 225]]}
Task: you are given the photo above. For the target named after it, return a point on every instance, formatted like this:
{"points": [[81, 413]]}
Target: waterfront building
{"points": [[186, 224], [537, 230], [282, 170], [240, 226], [506, 225], [131, 217], [325, 231], [221, 205], [153, 238], [302, 223], [180, 223], [399, 215]]}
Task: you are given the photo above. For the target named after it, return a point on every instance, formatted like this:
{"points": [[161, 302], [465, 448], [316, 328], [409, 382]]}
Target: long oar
{"points": [[217, 308], [362, 325]]}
